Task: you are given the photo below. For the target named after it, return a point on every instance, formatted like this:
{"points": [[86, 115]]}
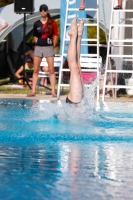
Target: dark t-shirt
{"points": [[44, 39]]}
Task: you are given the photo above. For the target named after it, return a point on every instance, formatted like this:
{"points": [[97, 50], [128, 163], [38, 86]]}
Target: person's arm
{"points": [[35, 32], [35, 39], [17, 74], [30, 53], [25, 54], [55, 41], [4, 26], [55, 34]]}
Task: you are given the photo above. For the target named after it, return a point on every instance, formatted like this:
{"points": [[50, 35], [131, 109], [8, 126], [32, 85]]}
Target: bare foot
{"points": [[54, 95], [81, 7], [31, 95], [73, 28], [80, 27]]}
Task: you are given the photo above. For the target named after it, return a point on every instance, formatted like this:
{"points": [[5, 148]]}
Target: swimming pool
{"points": [[46, 156]]}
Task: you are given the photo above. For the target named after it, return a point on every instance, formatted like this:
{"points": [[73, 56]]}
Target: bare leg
{"points": [[82, 7], [50, 61], [80, 32], [76, 86], [44, 80], [119, 5], [37, 61]]}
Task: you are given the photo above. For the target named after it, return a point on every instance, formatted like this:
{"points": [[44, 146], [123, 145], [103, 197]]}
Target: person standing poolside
{"points": [[46, 37], [76, 92], [3, 24]]}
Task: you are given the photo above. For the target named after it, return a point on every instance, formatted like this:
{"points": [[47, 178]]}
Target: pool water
{"points": [[46, 154]]}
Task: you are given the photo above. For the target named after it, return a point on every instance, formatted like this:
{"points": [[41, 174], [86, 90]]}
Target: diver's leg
{"points": [[76, 89], [80, 32]]}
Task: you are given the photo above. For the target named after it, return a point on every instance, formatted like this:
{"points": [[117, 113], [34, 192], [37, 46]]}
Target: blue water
{"points": [[46, 154]]}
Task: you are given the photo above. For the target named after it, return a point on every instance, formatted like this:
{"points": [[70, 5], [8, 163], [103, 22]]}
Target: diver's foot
{"points": [[73, 28], [80, 27]]}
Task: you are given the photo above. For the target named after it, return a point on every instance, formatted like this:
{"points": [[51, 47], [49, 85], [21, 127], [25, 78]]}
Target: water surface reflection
{"points": [[66, 171]]}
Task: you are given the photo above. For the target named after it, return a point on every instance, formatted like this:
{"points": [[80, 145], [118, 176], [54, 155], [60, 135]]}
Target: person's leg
{"points": [[108, 90], [37, 61], [119, 5], [50, 61], [76, 88], [80, 32], [44, 79], [82, 6]]}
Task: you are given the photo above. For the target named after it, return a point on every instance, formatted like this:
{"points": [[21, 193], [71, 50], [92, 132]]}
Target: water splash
{"points": [[67, 112]]}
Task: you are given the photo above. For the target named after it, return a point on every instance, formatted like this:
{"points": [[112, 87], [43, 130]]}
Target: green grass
{"points": [[125, 95], [7, 89]]}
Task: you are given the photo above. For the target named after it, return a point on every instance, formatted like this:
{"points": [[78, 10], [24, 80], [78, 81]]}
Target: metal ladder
{"points": [[120, 44], [66, 40]]}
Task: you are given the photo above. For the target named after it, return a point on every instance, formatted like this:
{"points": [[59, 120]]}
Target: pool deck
{"points": [[62, 97]]}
